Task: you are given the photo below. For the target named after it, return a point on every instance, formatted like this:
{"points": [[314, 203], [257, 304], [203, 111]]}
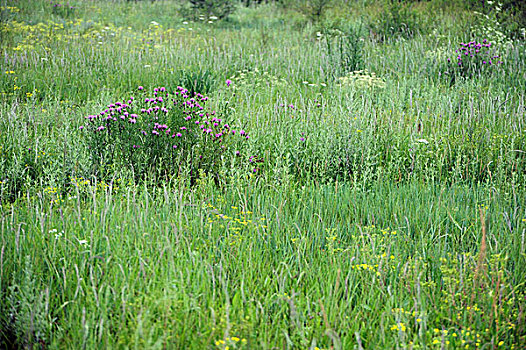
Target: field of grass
{"points": [[306, 183]]}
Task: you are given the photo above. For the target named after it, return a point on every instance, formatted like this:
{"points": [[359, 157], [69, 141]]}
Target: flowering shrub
{"points": [[161, 135], [473, 58]]}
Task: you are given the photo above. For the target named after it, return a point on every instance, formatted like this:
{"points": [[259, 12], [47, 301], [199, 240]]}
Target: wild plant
{"points": [[163, 135]]}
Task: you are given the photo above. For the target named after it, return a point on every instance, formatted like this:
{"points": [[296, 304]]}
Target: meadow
{"points": [[274, 179]]}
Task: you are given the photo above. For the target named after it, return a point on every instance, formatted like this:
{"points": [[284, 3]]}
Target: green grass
{"points": [[383, 214]]}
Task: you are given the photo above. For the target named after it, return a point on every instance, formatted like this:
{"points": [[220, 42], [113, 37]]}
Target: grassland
{"points": [[378, 203]]}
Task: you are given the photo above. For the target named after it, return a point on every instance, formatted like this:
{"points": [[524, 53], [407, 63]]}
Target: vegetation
{"points": [[274, 177]]}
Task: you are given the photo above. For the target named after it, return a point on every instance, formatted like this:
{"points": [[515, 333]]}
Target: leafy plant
{"points": [[217, 9], [344, 50], [195, 81], [314, 10], [163, 135], [397, 20], [473, 59]]}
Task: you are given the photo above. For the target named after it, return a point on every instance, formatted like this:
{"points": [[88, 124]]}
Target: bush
{"points": [[397, 20], [344, 50], [473, 59], [314, 10], [168, 134], [208, 9]]}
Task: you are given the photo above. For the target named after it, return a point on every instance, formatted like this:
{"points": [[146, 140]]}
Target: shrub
{"points": [[195, 81], [473, 59], [217, 9], [397, 20], [160, 136], [314, 10], [344, 50]]}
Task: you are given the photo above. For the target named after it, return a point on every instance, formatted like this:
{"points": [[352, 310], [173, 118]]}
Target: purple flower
{"points": [[302, 139], [228, 82], [179, 134], [100, 128], [155, 132], [80, 128], [141, 88]]}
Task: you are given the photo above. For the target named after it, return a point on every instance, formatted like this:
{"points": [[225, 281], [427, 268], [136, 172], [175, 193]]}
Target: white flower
{"points": [[424, 141], [83, 242]]}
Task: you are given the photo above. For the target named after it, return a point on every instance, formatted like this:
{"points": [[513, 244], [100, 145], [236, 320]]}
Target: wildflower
{"points": [[141, 88], [228, 82]]}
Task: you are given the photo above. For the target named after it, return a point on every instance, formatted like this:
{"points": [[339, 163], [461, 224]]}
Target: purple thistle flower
{"points": [[100, 128], [80, 128], [228, 82], [141, 88], [179, 134]]}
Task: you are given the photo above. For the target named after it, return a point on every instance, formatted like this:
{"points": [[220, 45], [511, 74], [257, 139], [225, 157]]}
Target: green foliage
{"points": [[397, 20], [197, 81], [313, 10], [161, 136], [26, 313], [473, 59], [344, 50], [208, 9]]}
